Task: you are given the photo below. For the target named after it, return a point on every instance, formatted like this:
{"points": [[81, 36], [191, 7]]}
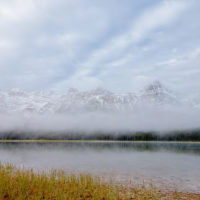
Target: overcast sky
{"points": [[115, 44]]}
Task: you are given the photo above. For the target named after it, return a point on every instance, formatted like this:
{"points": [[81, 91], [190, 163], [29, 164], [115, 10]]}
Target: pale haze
{"points": [[144, 54]]}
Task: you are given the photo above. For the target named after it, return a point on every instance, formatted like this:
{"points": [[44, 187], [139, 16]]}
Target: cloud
{"points": [[114, 52], [65, 43]]}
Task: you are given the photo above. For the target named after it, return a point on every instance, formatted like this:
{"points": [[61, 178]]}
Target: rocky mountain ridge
{"points": [[17, 101]]}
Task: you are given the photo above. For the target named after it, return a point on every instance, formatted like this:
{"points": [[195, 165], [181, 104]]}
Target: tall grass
{"points": [[18, 184]]}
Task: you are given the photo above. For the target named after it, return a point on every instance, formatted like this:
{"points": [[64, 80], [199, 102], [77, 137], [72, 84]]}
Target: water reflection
{"points": [[172, 164], [176, 147]]}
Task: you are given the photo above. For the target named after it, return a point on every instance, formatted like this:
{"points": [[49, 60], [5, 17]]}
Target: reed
{"points": [[21, 184]]}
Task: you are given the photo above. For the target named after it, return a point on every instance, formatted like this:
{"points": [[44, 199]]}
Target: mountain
{"points": [[17, 101], [156, 93]]}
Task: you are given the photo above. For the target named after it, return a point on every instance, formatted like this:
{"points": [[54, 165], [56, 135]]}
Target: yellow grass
{"points": [[16, 184]]}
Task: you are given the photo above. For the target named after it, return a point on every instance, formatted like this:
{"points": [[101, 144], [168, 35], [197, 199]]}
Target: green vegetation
{"points": [[187, 135], [18, 184]]}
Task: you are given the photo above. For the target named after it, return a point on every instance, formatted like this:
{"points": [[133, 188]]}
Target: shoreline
{"points": [[93, 141], [57, 184]]}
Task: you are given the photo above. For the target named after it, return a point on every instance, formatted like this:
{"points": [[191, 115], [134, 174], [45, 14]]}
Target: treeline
{"points": [[191, 135]]}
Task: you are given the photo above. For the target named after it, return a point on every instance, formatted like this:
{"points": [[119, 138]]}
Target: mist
{"points": [[156, 120]]}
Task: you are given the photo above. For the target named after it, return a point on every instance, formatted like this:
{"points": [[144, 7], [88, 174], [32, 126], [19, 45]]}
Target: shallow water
{"points": [[171, 165]]}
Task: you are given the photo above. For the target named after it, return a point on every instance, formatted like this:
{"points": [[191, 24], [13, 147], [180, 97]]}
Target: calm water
{"points": [[175, 165]]}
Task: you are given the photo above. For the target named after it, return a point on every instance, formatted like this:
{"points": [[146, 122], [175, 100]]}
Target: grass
{"points": [[21, 184]]}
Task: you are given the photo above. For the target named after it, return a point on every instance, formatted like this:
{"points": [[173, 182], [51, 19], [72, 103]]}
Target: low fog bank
{"points": [[100, 113], [87, 123]]}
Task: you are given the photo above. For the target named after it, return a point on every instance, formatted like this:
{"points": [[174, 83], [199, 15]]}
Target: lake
{"points": [[166, 164]]}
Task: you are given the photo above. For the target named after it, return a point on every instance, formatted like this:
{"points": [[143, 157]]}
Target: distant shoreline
{"points": [[175, 136], [92, 141]]}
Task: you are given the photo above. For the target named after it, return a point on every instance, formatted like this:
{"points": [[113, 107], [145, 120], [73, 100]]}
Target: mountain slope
{"points": [[16, 101]]}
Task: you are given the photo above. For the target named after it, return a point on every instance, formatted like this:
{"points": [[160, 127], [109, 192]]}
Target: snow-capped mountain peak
{"points": [[15, 100]]}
